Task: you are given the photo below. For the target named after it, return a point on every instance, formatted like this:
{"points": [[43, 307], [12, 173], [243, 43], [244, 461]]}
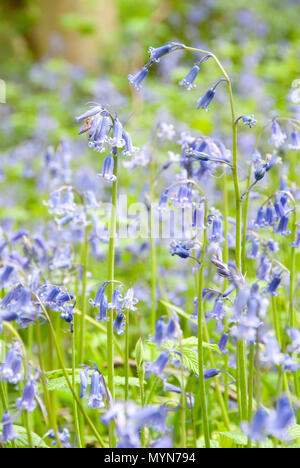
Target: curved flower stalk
{"points": [[203, 103], [100, 123]]}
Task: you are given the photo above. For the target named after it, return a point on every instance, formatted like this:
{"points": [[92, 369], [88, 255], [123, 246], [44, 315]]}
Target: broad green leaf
{"points": [[235, 436], [213, 444], [59, 383], [22, 440], [294, 431]]}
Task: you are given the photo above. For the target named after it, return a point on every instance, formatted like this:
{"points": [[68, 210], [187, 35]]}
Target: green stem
{"points": [[62, 365], [152, 241], [250, 380], [78, 430], [111, 269], [51, 417], [221, 401], [81, 346], [200, 341], [241, 345], [126, 363]]}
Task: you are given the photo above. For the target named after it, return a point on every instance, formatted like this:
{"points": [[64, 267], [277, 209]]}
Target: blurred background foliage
{"points": [[58, 55]]}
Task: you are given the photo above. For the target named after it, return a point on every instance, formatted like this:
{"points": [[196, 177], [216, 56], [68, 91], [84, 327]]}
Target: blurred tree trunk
{"points": [[50, 37]]}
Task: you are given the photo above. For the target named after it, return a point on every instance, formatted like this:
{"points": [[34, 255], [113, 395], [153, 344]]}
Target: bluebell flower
{"points": [[295, 141], [152, 416], [264, 268], [8, 432], [63, 436], [99, 294], [273, 246], [184, 196], [210, 373], [204, 101], [249, 120], [129, 301], [129, 149], [137, 79], [217, 311], [198, 217], [117, 139], [179, 248], [270, 215], [11, 368], [272, 353], [61, 202], [163, 200], [159, 332], [277, 135], [84, 381], [260, 218], [27, 400], [281, 419], [260, 172], [223, 343], [90, 201], [130, 419], [290, 364], [282, 226], [279, 209], [108, 170], [116, 303], [100, 301], [17, 305], [254, 251], [296, 243], [157, 367], [189, 79], [96, 392], [294, 335], [89, 113], [101, 134], [58, 300], [217, 230], [273, 285], [256, 430], [156, 53], [119, 324], [5, 275]]}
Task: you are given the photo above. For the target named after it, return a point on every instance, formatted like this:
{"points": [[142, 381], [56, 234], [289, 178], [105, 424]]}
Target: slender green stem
{"points": [[238, 232], [152, 239], [257, 387], [68, 381], [126, 363], [250, 380], [81, 346], [111, 270], [200, 340], [221, 401], [292, 319], [51, 414], [75, 409], [276, 321]]}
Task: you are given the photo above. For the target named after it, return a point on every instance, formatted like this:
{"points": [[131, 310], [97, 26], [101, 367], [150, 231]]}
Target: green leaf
{"points": [[139, 353], [236, 437], [193, 341], [213, 444], [294, 431], [60, 383], [190, 360], [22, 440]]}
